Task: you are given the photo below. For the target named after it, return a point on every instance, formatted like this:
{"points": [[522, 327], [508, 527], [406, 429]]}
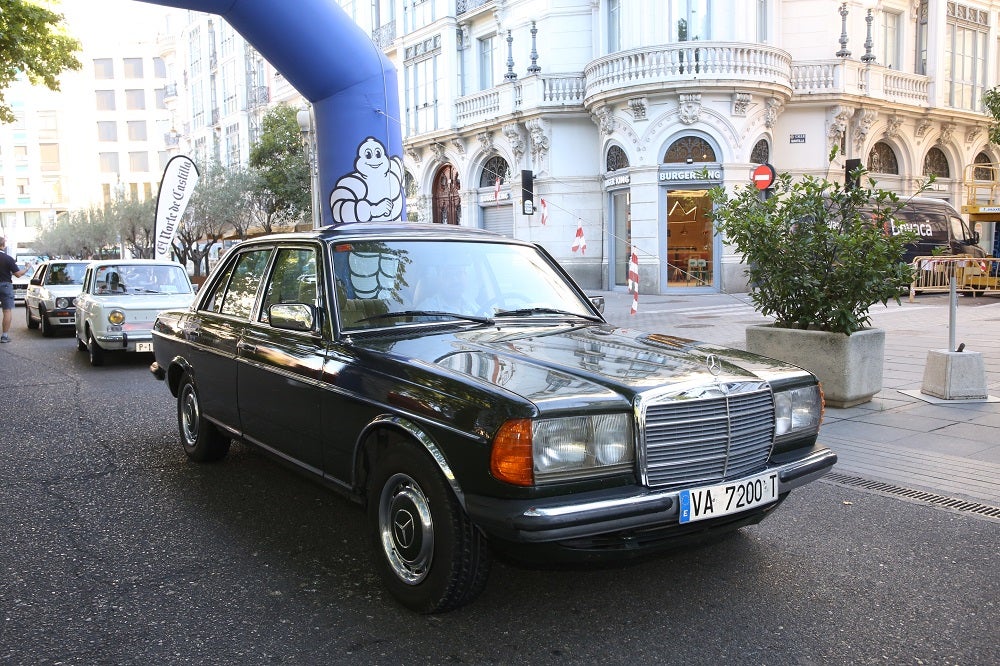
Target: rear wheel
{"points": [[30, 321], [203, 442], [430, 556]]}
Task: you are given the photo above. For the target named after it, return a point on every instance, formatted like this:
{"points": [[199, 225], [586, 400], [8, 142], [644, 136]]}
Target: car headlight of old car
{"points": [[536, 451], [64, 302], [116, 317], [797, 411]]}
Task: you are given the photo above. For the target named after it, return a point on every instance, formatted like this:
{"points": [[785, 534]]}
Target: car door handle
{"points": [[245, 347]]}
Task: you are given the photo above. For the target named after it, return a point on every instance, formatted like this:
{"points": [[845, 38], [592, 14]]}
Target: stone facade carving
{"points": [[863, 121], [414, 154], [515, 137], [972, 134], [459, 145], [485, 140], [947, 132], [438, 150], [604, 118], [689, 107], [893, 123], [638, 105], [773, 109], [923, 126], [538, 130], [839, 117], [741, 103]]}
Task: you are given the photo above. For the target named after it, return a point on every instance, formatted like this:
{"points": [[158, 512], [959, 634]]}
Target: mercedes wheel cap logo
{"points": [[402, 527], [713, 364]]}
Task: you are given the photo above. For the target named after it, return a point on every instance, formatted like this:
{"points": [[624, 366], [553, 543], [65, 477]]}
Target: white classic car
{"points": [[120, 301], [51, 299]]}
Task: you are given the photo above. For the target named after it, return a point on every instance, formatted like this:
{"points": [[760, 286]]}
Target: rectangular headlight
{"points": [[580, 446], [797, 412]]}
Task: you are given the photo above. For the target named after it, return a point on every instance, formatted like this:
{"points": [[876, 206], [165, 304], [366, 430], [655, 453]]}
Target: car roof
{"points": [[356, 231], [133, 262]]}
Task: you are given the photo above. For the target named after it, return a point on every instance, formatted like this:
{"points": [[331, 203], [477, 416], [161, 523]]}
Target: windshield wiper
{"points": [[428, 313], [523, 312]]}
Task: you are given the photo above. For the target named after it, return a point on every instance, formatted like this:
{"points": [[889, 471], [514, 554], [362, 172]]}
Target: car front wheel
{"points": [[30, 321], [47, 329], [429, 554], [202, 441], [95, 351]]}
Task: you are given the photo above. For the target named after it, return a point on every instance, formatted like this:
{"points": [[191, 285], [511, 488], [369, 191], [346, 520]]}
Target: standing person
{"points": [[8, 271]]}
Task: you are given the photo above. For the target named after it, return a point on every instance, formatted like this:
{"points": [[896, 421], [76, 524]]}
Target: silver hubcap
{"points": [[406, 528], [190, 415]]}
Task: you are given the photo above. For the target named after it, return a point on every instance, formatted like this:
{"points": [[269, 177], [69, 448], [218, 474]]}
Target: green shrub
{"points": [[816, 252]]}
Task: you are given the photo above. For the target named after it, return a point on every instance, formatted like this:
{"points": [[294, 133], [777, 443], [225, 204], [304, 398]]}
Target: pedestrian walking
{"points": [[8, 271]]}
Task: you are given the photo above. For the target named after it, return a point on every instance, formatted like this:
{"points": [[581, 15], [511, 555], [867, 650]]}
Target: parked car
{"points": [[120, 300], [29, 262], [50, 302], [462, 387]]}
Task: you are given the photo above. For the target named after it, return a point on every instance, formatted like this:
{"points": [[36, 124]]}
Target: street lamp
{"points": [[305, 121]]}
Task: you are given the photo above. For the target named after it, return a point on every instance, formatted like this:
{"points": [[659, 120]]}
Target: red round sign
{"points": [[763, 176]]}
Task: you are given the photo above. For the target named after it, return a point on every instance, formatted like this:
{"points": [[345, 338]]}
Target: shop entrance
{"points": [[690, 255]]}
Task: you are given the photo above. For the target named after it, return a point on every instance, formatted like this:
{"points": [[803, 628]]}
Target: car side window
{"points": [[236, 294], [293, 279]]}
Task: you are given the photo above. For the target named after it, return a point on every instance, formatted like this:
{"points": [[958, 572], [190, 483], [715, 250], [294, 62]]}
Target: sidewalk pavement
{"points": [[902, 442]]}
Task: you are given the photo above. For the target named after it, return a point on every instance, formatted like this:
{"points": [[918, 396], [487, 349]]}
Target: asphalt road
{"points": [[117, 550]]}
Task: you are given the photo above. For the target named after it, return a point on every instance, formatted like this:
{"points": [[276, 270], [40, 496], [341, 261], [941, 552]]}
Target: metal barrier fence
{"points": [[973, 276]]}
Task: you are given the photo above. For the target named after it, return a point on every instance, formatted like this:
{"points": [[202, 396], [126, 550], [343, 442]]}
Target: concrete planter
{"points": [[850, 366]]}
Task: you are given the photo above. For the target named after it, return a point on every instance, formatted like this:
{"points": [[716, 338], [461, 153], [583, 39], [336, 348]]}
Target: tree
{"points": [[32, 42], [89, 233], [135, 221], [218, 204], [282, 190], [991, 105]]}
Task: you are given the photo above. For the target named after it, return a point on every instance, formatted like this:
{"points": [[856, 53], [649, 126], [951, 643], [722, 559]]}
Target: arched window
{"points": [[985, 172], [447, 196], [495, 167], [935, 163], [617, 159], [409, 185], [689, 149], [882, 159], [761, 153]]}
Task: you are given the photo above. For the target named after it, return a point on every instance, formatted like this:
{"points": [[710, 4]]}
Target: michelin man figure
{"points": [[373, 191]]}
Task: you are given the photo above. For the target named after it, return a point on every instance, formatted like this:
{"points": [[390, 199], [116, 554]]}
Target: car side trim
{"points": [[425, 441]]}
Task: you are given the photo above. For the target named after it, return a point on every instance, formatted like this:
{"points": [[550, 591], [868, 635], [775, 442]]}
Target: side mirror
{"points": [[292, 316], [598, 302], [36, 281]]}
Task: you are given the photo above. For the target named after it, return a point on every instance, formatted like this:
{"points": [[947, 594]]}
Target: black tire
{"points": [[95, 351], [442, 561], [202, 441], [29, 321], [974, 293], [48, 330], [80, 344]]}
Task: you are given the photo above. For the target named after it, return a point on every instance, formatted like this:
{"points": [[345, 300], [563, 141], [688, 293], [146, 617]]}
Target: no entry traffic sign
{"points": [[763, 176]]}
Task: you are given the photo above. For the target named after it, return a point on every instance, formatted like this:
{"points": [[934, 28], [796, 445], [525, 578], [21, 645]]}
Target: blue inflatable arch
{"points": [[352, 87]]}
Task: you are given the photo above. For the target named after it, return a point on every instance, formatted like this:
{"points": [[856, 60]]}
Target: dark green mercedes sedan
{"points": [[462, 387]]}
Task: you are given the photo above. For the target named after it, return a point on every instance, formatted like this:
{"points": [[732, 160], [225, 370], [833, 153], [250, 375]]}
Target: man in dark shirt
{"points": [[8, 271]]}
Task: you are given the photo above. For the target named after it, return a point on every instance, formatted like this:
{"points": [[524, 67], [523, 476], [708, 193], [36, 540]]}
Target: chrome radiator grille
{"points": [[691, 442]]}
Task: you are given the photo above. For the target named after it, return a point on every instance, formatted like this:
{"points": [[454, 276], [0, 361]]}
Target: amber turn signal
{"points": [[511, 460]]}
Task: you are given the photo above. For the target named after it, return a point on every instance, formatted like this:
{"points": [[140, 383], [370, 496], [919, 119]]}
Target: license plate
{"points": [[727, 498], [144, 346]]}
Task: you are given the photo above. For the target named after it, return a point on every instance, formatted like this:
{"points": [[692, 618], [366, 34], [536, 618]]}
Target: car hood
{"points": [[58, 290], [566, 366]]}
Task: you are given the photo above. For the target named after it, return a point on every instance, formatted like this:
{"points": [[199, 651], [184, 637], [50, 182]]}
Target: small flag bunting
{"points": [[633, 280], [579, 243], [545, 212], [496, 190]]}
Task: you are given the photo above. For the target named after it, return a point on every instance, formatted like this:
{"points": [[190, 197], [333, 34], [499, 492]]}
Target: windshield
{"points": [[66, 274], [136, 279], [396, 283]]}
